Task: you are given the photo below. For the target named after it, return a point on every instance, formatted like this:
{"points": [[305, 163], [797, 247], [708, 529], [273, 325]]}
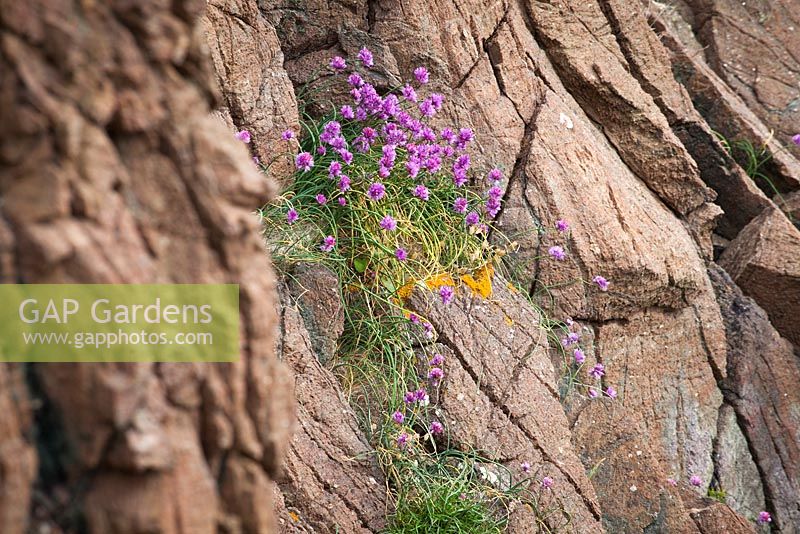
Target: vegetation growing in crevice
{"points": [[381, 199]]}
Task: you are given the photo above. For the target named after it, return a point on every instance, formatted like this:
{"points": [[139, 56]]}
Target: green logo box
{"points": [[119, 323]]}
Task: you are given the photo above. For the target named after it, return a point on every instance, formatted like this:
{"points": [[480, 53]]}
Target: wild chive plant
{"points": [[380, 199]]}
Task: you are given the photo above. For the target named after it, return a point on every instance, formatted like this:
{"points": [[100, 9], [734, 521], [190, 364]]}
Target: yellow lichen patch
{"points": [[294, 517], [511, 287], [439, 280], [480, 282], [509, 320], [405, 291]]}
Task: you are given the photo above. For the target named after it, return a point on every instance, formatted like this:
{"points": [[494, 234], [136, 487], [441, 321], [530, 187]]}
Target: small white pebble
{"points": [[633, 488]]}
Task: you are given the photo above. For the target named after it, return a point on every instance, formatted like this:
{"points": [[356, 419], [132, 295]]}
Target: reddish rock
{"points": [[712, 517], [764, 260], [761, 386], [631, 485], [725, 111], [500, 394], [256, 92], [332, 482], [649, 62], [18, 459], [753, 47], [113, 171]]}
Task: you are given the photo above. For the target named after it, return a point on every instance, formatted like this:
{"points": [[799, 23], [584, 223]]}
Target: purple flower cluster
{"points": [[406, 143], [446, 294], [572, 339]]}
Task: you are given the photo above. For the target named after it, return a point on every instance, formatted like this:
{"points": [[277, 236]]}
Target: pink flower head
{"points": [[401, 254], [427, 108], [328, 243], [592, 393], [287, 135], [321, 150], [547, 482], [334, 169], [346, 156], [436, 428], [338, 63], [304, 161], [388, 223], [465, 135], [413, 317], [347, 112], [421, 192], [435, 374], [672, 482], [402, 440], [436, 361], [601, 282], [376, 191], [472, 218], [243, 136], [462, 162], [611, 392], [557, 253], [409, 93], [421, 395], [526, 467], [580, 357], [460, 205], [571, 339], [448, 135], [366, 57], [344, 183], [428, 330], [446, 294], [562, 225], [765, 517], [495, 175], [696, 481], [398, 417], [421, 74], [796, 139], [597, 371], [409, 397], [321, 199], [355, 80], [342, 201], [291, 215], [459, 177]]}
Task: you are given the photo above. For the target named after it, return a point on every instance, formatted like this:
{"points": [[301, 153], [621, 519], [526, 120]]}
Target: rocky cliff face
{"points": [[603, 112]]}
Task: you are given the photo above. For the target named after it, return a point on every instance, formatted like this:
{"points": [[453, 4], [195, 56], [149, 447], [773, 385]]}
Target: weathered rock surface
{"points": [[761, 386], [754, 47], [248, 62], [734, 469], [114, 171], [18, 460], [725, 111], [631, 485], [500, 394], [331, 482], [636, 159], [764, 260]]}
